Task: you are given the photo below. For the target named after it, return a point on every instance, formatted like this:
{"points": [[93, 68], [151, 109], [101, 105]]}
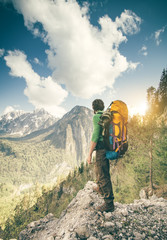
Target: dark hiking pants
{"points": [[102, 170]]}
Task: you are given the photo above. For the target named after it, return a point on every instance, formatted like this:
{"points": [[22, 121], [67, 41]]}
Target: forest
{"points": [[143, 166]]}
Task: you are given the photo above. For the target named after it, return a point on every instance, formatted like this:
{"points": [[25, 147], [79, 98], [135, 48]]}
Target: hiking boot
{"points": [[106, 207], [98, 190]]}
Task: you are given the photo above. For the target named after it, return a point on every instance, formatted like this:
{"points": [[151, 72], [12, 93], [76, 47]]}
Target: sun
{"points": [[139, 109], [142, 108]]}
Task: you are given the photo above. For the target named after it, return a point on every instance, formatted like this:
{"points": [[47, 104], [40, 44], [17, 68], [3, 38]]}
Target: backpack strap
{"points": [[123, 124]]}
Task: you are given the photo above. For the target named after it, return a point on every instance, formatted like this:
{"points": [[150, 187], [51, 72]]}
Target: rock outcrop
{"points": [[143, 219], [73, 133]]}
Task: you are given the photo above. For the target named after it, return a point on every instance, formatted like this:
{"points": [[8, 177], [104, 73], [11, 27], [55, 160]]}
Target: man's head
{"points": [[98, 105]]}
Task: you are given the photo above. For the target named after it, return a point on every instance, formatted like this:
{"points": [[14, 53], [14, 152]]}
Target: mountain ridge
{"points": [[64, 142], [20, 123], [73, 132]]}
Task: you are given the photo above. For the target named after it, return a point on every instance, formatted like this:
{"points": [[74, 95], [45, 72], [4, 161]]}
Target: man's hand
{"points": [[89, 159], [92, 147]]}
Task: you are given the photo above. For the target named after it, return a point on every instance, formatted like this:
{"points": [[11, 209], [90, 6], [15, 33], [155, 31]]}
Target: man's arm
{"points": [[95, 137], [92, 147]]}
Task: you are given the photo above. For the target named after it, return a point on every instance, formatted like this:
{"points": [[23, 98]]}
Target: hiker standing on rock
{"points": [[102, 167]]}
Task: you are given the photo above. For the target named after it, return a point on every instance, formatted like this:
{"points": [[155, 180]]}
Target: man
{"points": [[102, 167]]}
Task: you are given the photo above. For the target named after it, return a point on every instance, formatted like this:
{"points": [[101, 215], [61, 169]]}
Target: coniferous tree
{"points": [[151, 127], [153, 100], [161, 156], [1, 232], [162, 89], [157, 100]]}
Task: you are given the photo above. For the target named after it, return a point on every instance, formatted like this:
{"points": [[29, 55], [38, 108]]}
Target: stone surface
{"points": [[143, 219], [42, 229]]}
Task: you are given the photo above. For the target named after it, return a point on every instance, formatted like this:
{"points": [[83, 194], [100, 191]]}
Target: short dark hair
{"points": [[98, 104]]}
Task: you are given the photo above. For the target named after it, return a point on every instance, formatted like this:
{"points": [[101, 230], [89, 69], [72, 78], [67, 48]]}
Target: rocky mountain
{"points": [[143, 219], [20, 123], [73, 132], [49, 153]]}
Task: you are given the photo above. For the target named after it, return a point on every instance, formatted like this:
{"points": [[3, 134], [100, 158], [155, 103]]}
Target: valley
{"points": [[41, 158]]}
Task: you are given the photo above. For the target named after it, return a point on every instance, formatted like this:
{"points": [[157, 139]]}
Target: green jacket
{"points": [[97, 129]]}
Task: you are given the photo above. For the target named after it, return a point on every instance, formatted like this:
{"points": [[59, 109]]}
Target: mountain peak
{"points": [[81, 220], [78, 110], [41, 111], [21, 123], [12, 114]]}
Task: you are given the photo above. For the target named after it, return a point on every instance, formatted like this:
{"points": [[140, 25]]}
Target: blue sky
{"points": [[58, 54]]}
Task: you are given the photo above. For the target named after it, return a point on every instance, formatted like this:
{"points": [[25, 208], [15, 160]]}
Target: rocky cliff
{"points": [[143, 219], [73, 132]]}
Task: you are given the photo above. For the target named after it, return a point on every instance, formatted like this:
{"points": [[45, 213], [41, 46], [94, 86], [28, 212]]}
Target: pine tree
{"points": [[160, 165], [151, 126], [153, 100], [162, 89]]}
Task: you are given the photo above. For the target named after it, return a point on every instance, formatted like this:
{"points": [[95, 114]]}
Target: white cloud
{"points": [[145, 53], [2, 51], [41, 92], [8, 109], [14, 108], [83, 57], [157, 35], [129, 22], [36, 61], [143, 50]]}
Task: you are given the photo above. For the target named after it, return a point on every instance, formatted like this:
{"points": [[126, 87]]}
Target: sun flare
{"points": [[139, 109]]}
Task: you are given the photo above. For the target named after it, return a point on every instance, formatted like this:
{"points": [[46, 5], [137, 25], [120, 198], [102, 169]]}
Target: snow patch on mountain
{"points": [[21, 123]]}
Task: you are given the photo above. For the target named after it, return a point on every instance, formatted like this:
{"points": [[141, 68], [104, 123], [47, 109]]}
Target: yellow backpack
{"points": [[114, 123]]}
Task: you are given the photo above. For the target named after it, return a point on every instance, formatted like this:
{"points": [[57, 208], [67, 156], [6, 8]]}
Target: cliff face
{"points": [[46, 155], [73, 132], [143, 219]]}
